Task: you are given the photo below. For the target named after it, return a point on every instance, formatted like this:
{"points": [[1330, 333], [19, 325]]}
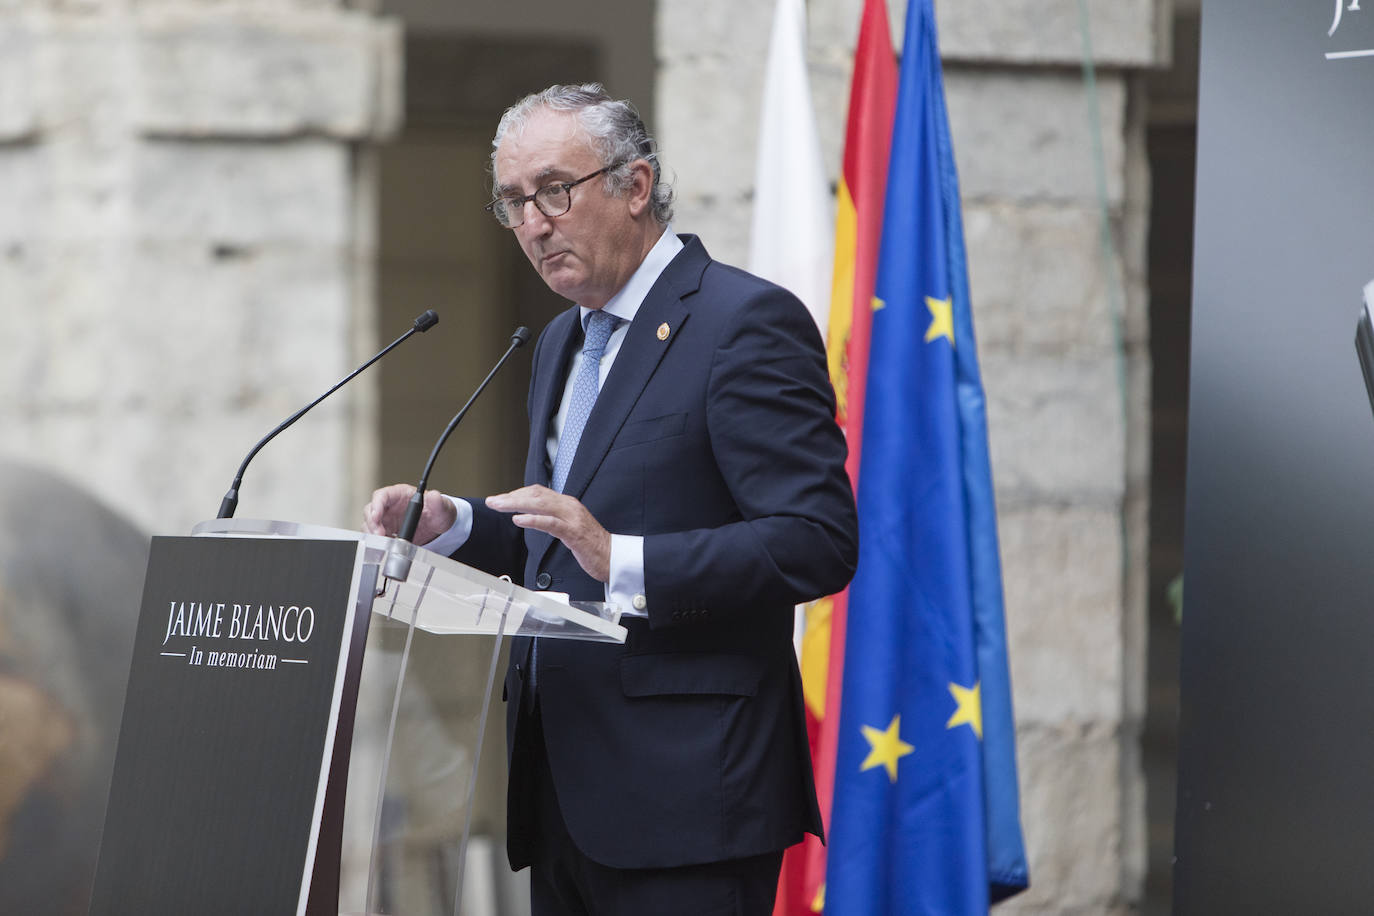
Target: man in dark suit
{"points": [[685, 465]]}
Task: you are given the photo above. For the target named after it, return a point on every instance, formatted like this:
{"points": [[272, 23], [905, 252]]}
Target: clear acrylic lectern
{"points": [[411, 841]]}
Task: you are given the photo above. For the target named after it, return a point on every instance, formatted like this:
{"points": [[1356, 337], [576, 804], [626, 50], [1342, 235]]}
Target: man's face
{"points": [[588, 253]]}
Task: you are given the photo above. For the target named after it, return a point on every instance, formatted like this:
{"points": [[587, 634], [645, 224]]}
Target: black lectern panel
{"points": [[232, 697]]}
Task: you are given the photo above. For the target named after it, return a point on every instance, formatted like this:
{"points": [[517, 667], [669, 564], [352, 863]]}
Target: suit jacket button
{"points": [[543, 580]]}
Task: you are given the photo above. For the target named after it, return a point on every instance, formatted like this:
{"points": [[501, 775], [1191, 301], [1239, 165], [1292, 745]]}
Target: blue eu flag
{"points": [[925, 816]]}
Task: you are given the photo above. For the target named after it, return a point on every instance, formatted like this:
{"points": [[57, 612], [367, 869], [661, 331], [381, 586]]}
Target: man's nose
{"points": [[535, 222]]}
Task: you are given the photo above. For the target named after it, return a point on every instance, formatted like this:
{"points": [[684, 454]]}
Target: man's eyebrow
{"points": [[549, 174], [542, 176]]}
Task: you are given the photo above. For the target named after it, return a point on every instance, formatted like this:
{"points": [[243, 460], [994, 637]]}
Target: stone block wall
{"points": [[185, 247], [1063, 341], [186, 198]]}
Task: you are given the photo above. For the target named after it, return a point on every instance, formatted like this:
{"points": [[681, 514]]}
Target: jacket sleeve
{"points": [[495, 546], [771, 421]]}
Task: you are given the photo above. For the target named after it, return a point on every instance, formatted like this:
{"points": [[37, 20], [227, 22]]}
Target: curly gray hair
{"points": [[613, 127]]}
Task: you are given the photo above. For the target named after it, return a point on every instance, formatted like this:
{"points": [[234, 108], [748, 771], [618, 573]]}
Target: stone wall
{"points": [[185, 247], [1066, 372]]}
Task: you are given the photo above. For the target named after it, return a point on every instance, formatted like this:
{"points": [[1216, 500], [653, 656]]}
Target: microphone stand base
{"points": [[398, 560]]}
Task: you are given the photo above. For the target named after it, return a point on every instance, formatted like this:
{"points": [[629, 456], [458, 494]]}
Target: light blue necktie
{"points": [[585, 387]]}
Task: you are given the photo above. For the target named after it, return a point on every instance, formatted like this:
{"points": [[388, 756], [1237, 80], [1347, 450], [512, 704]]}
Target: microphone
{"points": [[231, 498], [398, 561]]}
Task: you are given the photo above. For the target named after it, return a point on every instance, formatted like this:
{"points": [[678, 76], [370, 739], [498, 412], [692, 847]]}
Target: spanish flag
{"points": [[925, 815], [858, 228]]}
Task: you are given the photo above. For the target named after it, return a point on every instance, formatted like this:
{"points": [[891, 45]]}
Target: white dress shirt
{"points": [[626, 586]]}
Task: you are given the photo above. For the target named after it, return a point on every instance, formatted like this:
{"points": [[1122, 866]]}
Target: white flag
{"points": [[792, 242]]}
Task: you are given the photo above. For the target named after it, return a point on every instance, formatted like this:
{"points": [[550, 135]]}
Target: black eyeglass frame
{"points": [[517, 204]]}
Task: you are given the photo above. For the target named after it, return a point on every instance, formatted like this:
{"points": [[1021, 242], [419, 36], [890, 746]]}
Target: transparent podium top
{"points": [[442, 595]]}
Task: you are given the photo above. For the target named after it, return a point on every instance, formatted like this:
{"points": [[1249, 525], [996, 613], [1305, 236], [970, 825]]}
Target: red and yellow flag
{"points": [[858, 228]]}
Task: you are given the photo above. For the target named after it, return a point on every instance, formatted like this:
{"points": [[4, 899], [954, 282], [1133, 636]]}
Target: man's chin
{"points": [[562, 282]]}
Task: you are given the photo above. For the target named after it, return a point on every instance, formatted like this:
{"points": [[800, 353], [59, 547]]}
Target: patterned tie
{"points": [[585, 386]]}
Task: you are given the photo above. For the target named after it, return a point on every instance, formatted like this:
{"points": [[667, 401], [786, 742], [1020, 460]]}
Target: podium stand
{"points": [[267, 763]]}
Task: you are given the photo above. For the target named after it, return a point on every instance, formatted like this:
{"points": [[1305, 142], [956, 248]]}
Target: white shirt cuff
{"points": [[626, 588], [458, 534]]}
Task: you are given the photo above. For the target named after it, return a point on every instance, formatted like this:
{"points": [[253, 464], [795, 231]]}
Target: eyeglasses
{"points": [[552, 200]]}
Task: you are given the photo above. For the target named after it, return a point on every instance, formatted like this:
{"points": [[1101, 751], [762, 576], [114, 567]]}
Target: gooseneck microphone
{"points": [[398, 563], [231, 498]]}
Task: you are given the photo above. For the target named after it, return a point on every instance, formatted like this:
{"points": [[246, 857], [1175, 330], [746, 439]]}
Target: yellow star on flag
{"points": [[878, 303], [887, 748], [941, 319], [970, 707]]}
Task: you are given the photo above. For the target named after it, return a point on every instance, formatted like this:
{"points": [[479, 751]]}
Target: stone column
{"points": [[184, 246], [1063, 341]]}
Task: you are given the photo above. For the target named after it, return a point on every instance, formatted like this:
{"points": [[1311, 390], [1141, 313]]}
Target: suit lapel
{"points": [[551, 371], [547, 391], [640, 354]]}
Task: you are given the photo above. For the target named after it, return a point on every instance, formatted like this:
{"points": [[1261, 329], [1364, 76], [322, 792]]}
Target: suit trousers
{"points": [[564, 882]]}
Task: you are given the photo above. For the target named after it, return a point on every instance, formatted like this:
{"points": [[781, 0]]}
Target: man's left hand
{"points": [[563, 517]]}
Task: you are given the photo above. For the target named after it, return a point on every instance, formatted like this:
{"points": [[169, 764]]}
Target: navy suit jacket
{"points": [[714, 438]]}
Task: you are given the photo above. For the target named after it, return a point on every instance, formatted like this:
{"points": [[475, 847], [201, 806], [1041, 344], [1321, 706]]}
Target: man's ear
{"points": [[641, 190]]}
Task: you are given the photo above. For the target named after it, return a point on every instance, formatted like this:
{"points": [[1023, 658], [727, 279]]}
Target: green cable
{"points": [[1114, 282], [1116, 307]]}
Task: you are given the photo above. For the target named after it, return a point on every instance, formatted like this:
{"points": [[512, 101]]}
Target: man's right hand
{"points": [[386, 511]]}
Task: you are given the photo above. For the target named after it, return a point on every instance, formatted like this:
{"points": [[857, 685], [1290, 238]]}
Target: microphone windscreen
{"points": [[426, 321]]}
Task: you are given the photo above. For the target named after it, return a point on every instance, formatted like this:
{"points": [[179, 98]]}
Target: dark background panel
{"points": [[1276, 762]]}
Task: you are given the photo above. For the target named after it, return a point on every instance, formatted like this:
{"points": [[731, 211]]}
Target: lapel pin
{"points": [[663, 331]]}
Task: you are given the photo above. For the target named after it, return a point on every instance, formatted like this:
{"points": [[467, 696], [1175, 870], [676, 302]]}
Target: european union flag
{"points": [[925, 816]]}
